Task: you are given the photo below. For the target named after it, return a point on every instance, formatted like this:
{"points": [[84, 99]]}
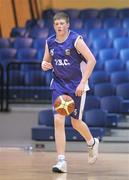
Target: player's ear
{"points": [[68, 24]]}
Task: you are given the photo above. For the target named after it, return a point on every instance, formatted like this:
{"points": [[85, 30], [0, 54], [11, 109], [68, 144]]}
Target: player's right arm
{"points": [[46, 63]]}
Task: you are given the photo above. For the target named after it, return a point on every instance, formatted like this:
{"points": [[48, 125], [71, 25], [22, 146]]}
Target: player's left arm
{"points": [[90, 59]]}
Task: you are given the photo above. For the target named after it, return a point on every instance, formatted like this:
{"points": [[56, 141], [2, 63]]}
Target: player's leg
{"points": [[83, 129], [93, 143], [60, 139]]}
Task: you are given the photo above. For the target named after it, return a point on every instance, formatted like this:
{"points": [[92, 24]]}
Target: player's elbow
{"points": [[93, 61]]}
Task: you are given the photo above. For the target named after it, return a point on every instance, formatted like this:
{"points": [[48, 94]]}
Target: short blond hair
{"points": [[61, 15]]}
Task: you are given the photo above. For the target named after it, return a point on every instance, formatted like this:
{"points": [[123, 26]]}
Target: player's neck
{"points": [[62, 38]]}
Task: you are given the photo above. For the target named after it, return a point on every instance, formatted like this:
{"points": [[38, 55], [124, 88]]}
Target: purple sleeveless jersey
{"points": [[66, 63]]}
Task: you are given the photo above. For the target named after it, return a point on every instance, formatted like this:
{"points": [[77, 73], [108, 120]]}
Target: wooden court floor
{"points": [[17, 164]]}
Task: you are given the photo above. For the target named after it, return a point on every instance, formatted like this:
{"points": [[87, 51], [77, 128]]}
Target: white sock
{"points": [[61, 157], [91, 142]]}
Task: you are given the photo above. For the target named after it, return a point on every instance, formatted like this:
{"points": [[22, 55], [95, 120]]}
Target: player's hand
{"points": [[80, 89], [46, 65]]}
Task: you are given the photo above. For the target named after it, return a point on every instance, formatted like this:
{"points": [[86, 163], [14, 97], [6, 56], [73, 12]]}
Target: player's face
{"points": [[61, 26]]}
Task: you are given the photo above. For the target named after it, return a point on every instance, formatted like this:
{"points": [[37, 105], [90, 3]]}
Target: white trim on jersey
{"points": [[83, 98], [75, 44]]}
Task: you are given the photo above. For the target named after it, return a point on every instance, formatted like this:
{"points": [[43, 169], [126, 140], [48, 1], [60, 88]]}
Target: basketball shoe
{"points": [[60, 167], [93, 151]]}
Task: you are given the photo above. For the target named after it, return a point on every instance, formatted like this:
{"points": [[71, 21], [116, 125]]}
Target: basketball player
{"points": [[67, 54]]}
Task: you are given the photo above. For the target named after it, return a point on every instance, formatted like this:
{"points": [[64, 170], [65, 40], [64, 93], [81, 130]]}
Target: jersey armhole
{"points": [[79, 37]]}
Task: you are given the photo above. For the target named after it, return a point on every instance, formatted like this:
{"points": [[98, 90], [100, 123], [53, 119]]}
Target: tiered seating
{"points": [[105, 31]]}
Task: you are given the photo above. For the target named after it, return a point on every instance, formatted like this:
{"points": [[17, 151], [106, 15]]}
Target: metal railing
{"points": [[23, 85], [1, 88]]}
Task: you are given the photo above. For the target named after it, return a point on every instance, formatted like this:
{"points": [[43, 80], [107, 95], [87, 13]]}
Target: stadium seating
{"points": [[92, 102], [121, 43], [88, 14], [95, 118], [95, 33], [26, 54], [37, 32], [101, 43], [39, 43], [123, 90], [119, 77], [107, 53], [19, 32], [116, 32], [104, 89], [93, 23], [98, 77], [108, 12], [123, 13], [111, 22], [44, 131], [4, 43], [7, 53], [113, 65], [124, 55], [106, 33], [22, 43], [125, 23]]}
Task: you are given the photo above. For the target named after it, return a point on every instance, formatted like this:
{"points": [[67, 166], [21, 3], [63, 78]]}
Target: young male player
{"points": [[68, 55]]}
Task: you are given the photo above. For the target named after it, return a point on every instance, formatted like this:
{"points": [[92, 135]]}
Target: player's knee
{"points": [[59, 121]]}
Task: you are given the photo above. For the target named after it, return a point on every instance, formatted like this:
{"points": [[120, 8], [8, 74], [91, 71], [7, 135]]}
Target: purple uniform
{"points": [[67, 70]]}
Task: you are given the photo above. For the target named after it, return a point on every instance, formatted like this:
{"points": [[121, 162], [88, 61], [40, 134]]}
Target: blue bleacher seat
{"points": [[108, 12], [111, 22], [7, 53], [123, 13], [94, 23], [76, 24], [127, 65], [39, 43], [4, 43], [123, 90], [89, 13], [121, 43], [112, 104], [124, 55], [25, 54], [37, 32], [108, 53], [117, 32], [95, 33], [95, 118], [21, 42], [40, 54], [119, 77], [19, 32], [98, 77], [113, 65], [104, 89], [73, 13], [45, 117], [125, 23], [92, 102], [101, 43]]}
